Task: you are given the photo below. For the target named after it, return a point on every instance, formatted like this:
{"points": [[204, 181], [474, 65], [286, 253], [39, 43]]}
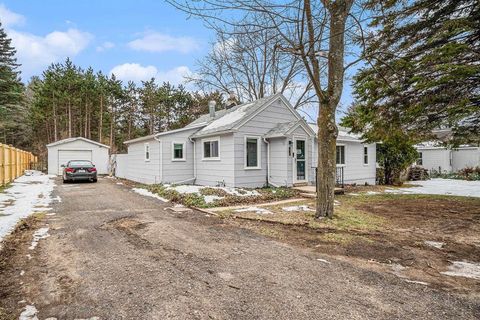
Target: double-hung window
{"points": [[178, 151], [340, 155], [420, 159], [211, 149], [252, 153], [365, 155]]}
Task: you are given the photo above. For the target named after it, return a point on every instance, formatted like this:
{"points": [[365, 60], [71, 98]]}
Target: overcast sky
{"points": [[136, 40]]}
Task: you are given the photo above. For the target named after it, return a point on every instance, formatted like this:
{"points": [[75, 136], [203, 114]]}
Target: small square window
{"points": [[210, 149], [178, 150], [365, 155]]}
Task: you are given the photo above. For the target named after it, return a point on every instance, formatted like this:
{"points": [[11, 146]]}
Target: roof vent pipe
{"points": [[211, 108]]}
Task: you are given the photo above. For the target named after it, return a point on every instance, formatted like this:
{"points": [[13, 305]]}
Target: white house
{"points": [[62, 151], [435, 157], [264, 142]]}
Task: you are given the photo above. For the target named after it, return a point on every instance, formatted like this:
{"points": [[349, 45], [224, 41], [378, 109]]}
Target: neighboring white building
{"points": [[250, 145], [62, 151], [434, 156]]}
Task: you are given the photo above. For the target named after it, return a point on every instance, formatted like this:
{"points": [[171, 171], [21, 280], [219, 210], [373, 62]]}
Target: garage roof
{"points": [[74, 139]]}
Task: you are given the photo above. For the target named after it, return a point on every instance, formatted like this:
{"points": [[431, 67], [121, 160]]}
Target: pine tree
{"points": [[423, 71]]}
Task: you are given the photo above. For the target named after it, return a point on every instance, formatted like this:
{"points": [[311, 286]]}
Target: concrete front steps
{"points": [[311, 192]]}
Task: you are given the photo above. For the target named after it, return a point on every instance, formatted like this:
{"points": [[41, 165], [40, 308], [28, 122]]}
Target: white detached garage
{"points": [[62, 151]]}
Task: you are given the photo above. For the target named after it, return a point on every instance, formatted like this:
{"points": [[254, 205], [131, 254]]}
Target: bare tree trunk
{"points": [[69, 118], [86, 120], [328, 131], [55, 130], [100, 122]]}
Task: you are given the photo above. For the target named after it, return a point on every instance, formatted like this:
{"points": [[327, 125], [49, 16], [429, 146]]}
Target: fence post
{"points": [[2, 165]]}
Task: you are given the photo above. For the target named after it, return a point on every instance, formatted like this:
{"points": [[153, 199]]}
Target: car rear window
{"points": [[79, 163]]}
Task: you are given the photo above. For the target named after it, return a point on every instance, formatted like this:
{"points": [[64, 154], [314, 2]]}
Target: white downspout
{"points": [[194, 159], [268, 163], [161, 158]]}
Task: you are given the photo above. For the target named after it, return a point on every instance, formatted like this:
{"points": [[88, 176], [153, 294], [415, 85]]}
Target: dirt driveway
{"points": [[114, 254]]}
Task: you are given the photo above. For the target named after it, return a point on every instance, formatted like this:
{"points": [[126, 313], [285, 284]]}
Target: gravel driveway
{"points": [[115, 254]]}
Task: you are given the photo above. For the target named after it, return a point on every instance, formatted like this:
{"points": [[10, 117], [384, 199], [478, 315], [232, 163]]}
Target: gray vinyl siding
{"points": [[177, 171], [213, 172], [463, 158], [142, 171], [355, 171], [436, 159], [263, 122], [279, 161]]}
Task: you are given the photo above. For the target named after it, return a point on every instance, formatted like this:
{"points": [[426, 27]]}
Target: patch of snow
{"points": [[146, 193], [440, 186], [257, 210], [186, 189], [229, 118], [323, 260], [463, 269], [58, 199], [25, 195], [30, 313], [119, 183], [41, 233], [29, 256], [336, 202], [210, 199], [435, 244], [372, 192], [241, 192], [297, 208], [417, 282], [353, 194], [22, 272]]}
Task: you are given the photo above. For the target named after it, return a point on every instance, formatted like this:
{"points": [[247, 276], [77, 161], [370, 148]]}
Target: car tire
{"points": [[65, 180], [94, 180]]}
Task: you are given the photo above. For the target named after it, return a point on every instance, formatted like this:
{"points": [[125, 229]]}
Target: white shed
{"points": [[62, 151]]}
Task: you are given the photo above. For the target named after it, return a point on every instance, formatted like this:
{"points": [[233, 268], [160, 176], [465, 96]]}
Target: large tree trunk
{"points": [[100, 122], [55, 130], [327, 133], [327, 141]]}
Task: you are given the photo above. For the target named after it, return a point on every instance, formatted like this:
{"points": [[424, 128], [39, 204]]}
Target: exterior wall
{"points": [[178, 170], [121, 165], [280, 162], [214, 172], [437, 159], [463, 158], [139, 169], [354, 170], [263, 122], [99, 155]]}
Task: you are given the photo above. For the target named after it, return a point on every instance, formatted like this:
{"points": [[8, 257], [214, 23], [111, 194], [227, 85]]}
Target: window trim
{"points": [[184, 149], [419, 161], [259, 154], [145, 152], [212, 139], [344, 155], [368, 156]]}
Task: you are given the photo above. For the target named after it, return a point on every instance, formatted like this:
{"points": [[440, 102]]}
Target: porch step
{"points": [[300, 184], [312, 195]]}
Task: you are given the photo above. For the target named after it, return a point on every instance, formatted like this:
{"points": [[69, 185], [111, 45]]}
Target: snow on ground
{"points": [[463, 269], [439, 186], [297, 208], [435, 244], [146, 193], [41, 233], [26, 195], [30, 313], [188, 189], [257, 210]]}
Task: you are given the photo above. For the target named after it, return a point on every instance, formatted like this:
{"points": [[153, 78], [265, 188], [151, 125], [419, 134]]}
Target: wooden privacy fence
{"points": [[14, 162]]}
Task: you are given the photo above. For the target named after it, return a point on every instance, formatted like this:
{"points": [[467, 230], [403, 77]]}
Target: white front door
{"points": [[300, 161]]}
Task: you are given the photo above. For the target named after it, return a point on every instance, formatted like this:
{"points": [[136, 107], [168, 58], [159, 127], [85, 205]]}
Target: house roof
{"points": [[74, 139], [155, 135], [344, 134], [226, 120], [283, 129]]}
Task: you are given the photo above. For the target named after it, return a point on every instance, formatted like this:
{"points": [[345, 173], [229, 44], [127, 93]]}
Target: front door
{"points": [[300, 171]]}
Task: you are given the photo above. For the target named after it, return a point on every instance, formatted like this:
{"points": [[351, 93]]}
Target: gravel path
{"points": [[115, 254]]}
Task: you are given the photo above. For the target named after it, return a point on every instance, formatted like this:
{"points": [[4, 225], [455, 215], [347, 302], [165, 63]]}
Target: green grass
{"points": [[4, 187]]}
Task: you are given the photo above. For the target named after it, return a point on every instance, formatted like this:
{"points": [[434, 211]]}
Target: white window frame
{"points": [[365, 148], [184, 158], [203, 149], [146, 151], [344, 154], [259, 154]]}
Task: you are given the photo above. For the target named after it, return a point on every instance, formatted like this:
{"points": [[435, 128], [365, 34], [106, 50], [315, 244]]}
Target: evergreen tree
{"points": [[424, 71], [13, 110]]}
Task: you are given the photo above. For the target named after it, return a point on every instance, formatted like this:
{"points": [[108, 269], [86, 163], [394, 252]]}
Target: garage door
{"points": [[66, 155]]}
